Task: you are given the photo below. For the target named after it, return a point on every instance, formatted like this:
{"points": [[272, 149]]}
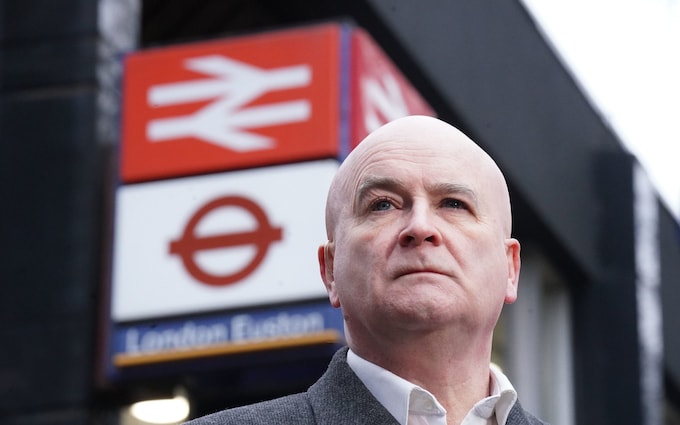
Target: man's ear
{"points": [[326, 253], [512, 249]]}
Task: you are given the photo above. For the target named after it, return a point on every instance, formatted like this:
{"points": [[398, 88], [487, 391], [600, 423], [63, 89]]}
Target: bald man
{"points": [[421, 260]]}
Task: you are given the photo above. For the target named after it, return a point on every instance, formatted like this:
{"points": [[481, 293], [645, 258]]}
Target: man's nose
{"points": [[420, 227]]}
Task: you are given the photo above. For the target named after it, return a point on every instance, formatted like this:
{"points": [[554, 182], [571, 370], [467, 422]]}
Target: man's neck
{"points": [[456, 374]]}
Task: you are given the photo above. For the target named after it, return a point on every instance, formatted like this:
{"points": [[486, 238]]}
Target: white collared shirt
{"points": [[413, 405]]}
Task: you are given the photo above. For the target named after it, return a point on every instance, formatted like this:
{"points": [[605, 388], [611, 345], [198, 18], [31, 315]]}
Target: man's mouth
{"points": [[413, 271]]}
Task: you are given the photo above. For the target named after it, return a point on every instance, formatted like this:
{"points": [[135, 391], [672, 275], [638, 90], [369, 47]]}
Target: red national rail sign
{"points": [[228, 104], [272, 98]]}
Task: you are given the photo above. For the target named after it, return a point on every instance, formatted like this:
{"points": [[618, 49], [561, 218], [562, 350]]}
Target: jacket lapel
{"points": [[339, 397]]}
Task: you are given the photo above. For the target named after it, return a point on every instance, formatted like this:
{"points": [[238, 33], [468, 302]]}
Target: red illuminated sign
{"points": [[237, 103], [380, 92]]}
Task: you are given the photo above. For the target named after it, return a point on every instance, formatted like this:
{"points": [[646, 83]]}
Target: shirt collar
{"points": [[392, 391], [398, 395], [503, 397]]}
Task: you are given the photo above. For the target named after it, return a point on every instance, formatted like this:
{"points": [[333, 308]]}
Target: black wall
{"points": [[50, 169]]}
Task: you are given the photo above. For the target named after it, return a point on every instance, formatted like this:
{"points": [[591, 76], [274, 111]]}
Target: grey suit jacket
{"points": [[337, 398]]}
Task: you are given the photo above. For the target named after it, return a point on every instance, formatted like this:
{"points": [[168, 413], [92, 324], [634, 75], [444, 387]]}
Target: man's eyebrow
{"points": [[395, 185], [373, 182], [456, 189]]}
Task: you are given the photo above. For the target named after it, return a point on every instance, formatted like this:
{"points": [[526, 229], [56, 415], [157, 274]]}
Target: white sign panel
{"points": [[220, 241]]}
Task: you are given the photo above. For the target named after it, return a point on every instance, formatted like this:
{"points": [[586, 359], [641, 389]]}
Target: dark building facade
{"points": [[601, 255]]}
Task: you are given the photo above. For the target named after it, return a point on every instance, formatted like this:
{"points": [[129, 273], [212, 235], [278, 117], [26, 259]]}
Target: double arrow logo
{"points": [[225, 121]]}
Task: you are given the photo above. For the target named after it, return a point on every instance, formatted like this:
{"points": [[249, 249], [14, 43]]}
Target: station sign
{"points": [[219, 241], [140, 344], [380, 92], [232, 103], [259, 100], [228, 149]]}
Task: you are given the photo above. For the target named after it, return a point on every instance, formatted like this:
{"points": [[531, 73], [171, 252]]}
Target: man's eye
{"points": [[381, 205], [454, 203]]}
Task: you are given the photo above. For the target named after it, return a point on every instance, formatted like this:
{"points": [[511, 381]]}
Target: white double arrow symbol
{"points": [[223, 121]]}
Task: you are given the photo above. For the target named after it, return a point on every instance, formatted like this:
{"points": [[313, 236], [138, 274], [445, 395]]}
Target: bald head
{"points": [[433, 143]]}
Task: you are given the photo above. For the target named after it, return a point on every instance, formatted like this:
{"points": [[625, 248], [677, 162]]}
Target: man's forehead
{"points": [[414, 128], [415, 135], [421, 138], [437, 150]]}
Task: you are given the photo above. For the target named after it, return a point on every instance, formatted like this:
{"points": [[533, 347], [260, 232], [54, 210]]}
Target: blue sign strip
{"points": [[236, 327]]}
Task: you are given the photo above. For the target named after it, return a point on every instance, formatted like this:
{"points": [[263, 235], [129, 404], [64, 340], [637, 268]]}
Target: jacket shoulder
{"points": [[292, 409], [337, 398], [519, 416]]}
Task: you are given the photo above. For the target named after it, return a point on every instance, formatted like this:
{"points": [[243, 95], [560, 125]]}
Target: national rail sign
{"points": [[219, 241], [380, 92], [233, 103], [260, 100]]}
